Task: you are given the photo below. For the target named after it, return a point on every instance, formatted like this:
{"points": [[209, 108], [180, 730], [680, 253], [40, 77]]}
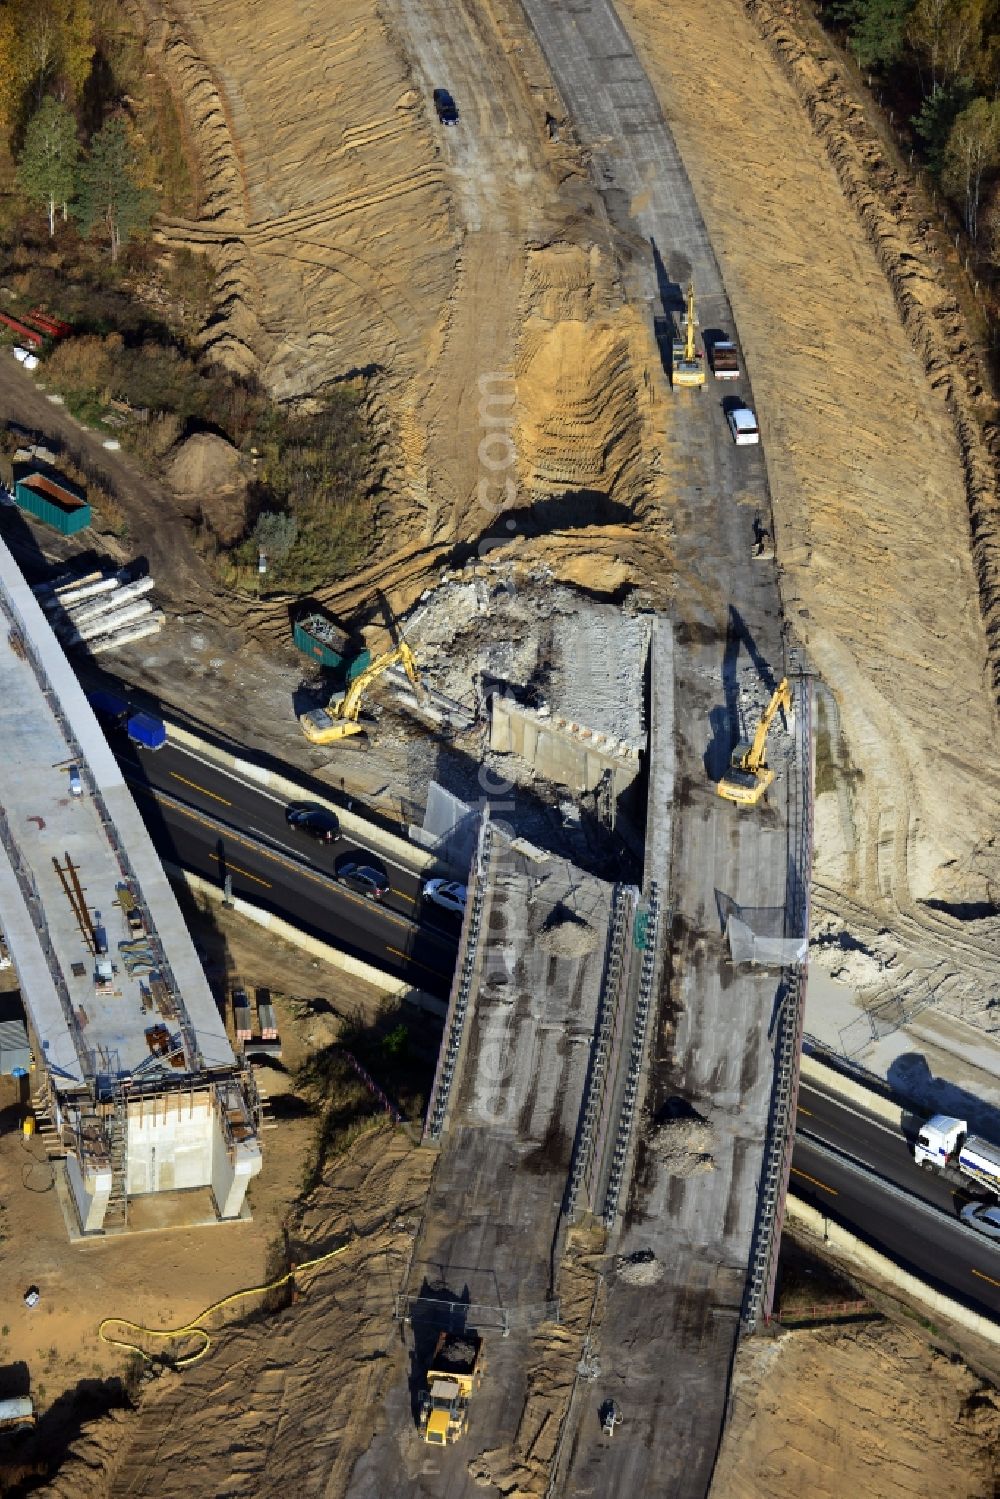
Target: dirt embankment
{"points": [[861, 1410], [894, 212], [860, 380], [353, 235], [287, 1399]]}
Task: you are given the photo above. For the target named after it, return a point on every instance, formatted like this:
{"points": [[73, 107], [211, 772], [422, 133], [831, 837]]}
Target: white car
{"points": [[983, 1217], [743, 426], [446, 893]]}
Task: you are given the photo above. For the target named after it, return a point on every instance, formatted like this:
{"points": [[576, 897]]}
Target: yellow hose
{"points": [[194, 1327]]}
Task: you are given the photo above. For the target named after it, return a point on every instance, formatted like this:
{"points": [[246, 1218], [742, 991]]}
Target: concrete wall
{"points": [[90, 1194], [859, 1256], [170, 1143], [563, 752], [232, 1174]]}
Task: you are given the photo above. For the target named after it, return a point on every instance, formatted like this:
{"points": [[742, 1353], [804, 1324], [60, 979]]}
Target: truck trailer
{"points": [[945, 1145], [455, 1373]]}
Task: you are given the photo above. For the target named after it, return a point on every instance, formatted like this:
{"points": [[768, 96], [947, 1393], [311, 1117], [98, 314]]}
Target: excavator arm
{"points": [[782, 699], [748, 776], [339, 719]]}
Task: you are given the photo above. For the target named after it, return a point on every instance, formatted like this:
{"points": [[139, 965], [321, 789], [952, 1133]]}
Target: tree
{"points": [[876, 28], [110, 190], [275, 534], [937, 115], [42, 42], [947, 34], [973, 149], [46, 170]]}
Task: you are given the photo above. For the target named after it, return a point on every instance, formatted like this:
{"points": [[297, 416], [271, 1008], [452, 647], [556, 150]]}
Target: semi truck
{"points": [[455, 1373], [945, 1145]]}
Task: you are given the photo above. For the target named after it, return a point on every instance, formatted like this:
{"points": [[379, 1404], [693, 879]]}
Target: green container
{"points": [[52, 501], [327, 643]]}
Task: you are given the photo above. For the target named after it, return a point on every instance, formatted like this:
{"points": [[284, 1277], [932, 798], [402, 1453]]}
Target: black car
{"points": [[318, 822], [372, 883], [447, 109]]}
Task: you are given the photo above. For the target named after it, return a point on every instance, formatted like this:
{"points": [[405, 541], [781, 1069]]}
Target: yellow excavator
{"points": [[749, 776], [688, 363], [339, 719]]}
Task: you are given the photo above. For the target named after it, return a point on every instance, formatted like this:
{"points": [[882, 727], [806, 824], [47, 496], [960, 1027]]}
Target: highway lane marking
{"points": [[822, 1185], [258, 787], [262, 852], [985, 1277], [175, 775], [800, 1110], [415, 961], [235, 869], [403, 895], [837, 1100]]}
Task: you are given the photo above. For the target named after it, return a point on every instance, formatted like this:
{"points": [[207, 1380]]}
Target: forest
{"points": [[939, 63]]}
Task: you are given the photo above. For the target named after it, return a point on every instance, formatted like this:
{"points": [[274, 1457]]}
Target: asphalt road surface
{"points": [[214, 824], [861, 1172]]}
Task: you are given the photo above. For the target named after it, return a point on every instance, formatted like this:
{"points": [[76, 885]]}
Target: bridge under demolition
{"points": [[134, 1076]]}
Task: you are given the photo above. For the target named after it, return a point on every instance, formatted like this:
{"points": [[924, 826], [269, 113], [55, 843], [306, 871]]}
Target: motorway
{"points": [[212, 823], [860, 1170]]}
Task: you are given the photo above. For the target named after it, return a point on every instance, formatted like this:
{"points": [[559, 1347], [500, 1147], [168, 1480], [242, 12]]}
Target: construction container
{"points": [[15, 1412], [242, 1021], [268, 1021], [317, 635], [52, 501], [15, 1050], [147, 730]]}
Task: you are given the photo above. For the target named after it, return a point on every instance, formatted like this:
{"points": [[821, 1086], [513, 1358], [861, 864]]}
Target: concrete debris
{"points": [[521, 628], [639, 1269], [566, 936], [684, 1146]]}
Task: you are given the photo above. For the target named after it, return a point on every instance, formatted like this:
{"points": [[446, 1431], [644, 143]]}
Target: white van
{"points": [[743, 426]]}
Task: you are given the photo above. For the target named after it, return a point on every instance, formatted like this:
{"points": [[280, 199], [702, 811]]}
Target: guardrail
{"points": [[640, 1027], [780, 1139], [462, 986]]}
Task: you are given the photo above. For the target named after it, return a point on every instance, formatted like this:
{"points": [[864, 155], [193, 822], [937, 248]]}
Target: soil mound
{"points": [[206, 474], [684, 1146], [639, 1269], [566, 936]]}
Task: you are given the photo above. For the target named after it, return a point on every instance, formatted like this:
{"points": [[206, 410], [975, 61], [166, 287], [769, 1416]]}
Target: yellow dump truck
{"points": [[455, 1373]]}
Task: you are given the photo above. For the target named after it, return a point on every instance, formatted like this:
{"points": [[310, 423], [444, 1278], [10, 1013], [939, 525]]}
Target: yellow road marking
{"points": [[203, 789], [299, 869], [235, 869], [822, 1185], [403, 895], [800, 1110], [416, 961], [986, 1277]]}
